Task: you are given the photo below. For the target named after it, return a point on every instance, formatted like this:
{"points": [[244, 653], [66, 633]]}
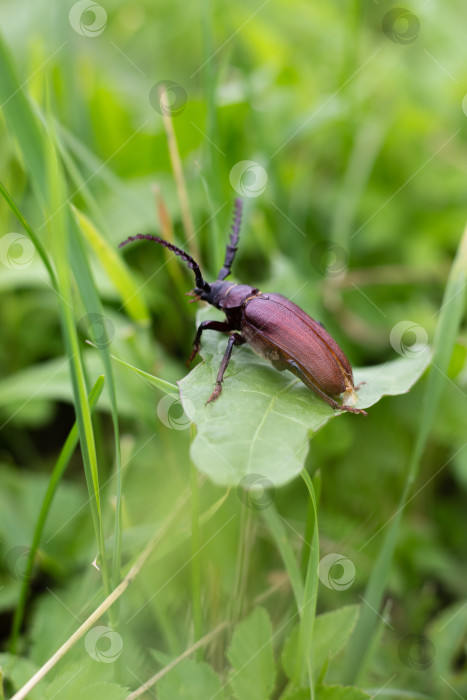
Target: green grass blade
{"points": [[115, 268], [60, 243], [212, 156], [307, 617], [31, 233], [166, 387], [277, 530], [93, 305], [55, 478], [445, 336], [39, 155], [22, 121]]}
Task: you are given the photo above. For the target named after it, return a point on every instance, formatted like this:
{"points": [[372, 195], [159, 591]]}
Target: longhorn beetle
{"points": [[274, 326]]}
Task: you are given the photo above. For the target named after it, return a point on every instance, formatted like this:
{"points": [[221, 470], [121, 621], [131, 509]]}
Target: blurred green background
{"points": [[354, 118]]}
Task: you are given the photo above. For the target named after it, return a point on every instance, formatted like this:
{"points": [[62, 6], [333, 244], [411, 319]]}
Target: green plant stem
{"points": [[277, 530], [211, 152], [310, 525], [307, 618], [196, 559], [34, 238], [236, 602]]}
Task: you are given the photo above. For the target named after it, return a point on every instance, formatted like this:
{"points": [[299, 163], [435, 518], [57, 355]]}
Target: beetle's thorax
{"points": [[227, 295]]}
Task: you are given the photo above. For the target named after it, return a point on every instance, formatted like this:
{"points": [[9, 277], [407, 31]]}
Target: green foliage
{"points": [[358, 121], [190, 680], [339, 692], [16, 671], [331, 634], [251, 655]]}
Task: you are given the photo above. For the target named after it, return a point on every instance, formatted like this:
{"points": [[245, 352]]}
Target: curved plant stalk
{"points": [[277, 530], [241, 565], [447, 328], [161, 384], [307, 617], [31, 233], [305, 594]]}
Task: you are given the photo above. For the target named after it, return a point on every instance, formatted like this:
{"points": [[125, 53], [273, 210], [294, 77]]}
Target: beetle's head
{"points": [[216, 292], [212, 294]]}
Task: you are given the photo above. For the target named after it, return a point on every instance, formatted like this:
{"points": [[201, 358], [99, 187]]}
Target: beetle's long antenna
{"points": [[234, 235], [192, 264]]}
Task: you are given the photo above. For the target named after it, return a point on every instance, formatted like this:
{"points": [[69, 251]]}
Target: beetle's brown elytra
{"points": [[272, 325]]}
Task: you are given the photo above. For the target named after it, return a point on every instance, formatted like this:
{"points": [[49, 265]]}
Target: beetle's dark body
{"points": [[284, 334], [274, 327]]}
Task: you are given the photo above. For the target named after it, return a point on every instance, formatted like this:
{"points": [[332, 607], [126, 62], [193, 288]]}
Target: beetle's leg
{"points": [[220, 326], [297, 370], [235, 339]]}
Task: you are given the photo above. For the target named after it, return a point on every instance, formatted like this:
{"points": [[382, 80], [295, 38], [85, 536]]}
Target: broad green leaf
{"points": [[445, 641], [296, 694], [115, 268], [330, 635], [289, 658], [251, 656], [80, 682], [340, 692], [326, 692], [103, 691], [17, 670], [262, 422], [190, 681]]}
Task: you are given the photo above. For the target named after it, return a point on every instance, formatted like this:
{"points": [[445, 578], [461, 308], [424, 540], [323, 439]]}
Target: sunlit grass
{"points": [[360, 133]]}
